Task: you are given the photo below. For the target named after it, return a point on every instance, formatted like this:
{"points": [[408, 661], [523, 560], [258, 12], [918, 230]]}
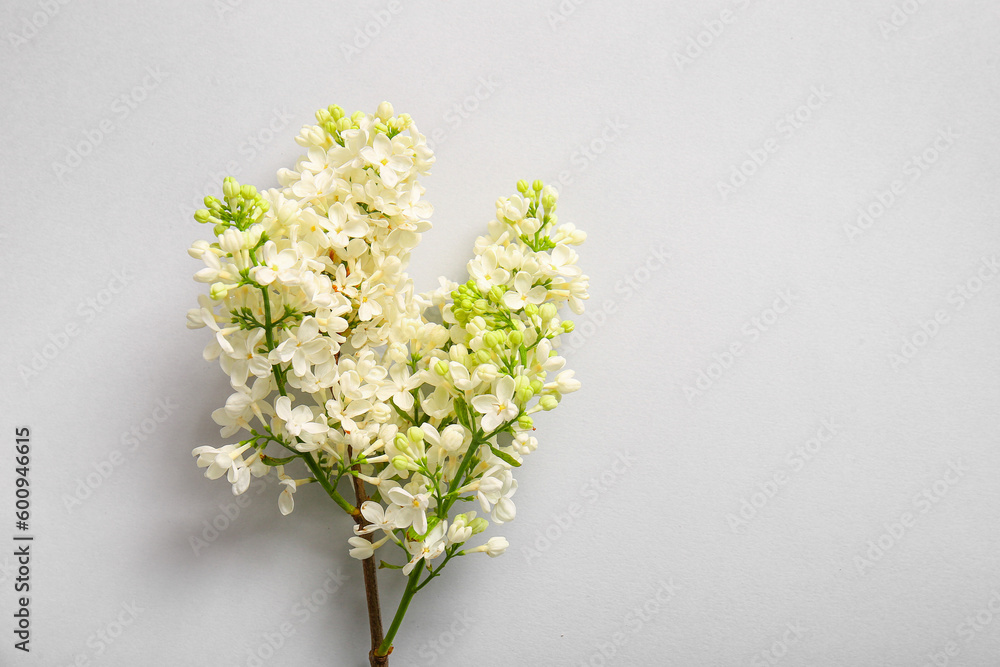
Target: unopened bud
{"points": [[218, 291], [403, 463]]}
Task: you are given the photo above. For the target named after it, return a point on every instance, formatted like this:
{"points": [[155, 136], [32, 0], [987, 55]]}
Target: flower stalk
{"points": [[335, 360]]}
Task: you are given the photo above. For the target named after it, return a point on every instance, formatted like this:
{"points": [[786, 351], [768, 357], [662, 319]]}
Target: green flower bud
{"points": [[496, 294], [230, 187], [402, 444], [549, 402], [218, 291], [567, 326], [491, 339], [483, 356], [202, 215], [522, 186], [531, 310], [547, 311], [323, 115], [536, 386], [524, 394], [336, 112], [403, 463], [441, 368], [515, 338], [548, 201], [480, 306], [415, 433], [525, 422], [479, 525], [537, 186]]}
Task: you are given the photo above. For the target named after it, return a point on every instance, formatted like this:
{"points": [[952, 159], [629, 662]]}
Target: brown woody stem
{"points": [[371, 582]]}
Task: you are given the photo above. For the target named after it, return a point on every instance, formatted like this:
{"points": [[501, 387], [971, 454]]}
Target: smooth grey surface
{"points": [[550, 78]]}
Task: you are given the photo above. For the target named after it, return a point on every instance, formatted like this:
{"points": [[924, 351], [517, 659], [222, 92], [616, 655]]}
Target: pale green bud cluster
{"points": [[240, 207], [335, 121]]}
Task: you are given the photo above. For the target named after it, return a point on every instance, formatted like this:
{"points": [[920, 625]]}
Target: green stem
{"points": [[324, 481], [313, 465], [404, 602]]}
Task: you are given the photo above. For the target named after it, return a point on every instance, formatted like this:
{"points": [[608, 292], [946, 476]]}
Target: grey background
{"points": [[783, 586]]}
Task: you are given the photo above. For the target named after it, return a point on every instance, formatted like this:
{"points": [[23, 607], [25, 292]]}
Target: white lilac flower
{"points": [[398, 387], [286, 501], [378, 517], [363, 549], [298, 420], [412, 508], [309, 296], [523, 292], [383, 156], [430, 548], [277, 265], [499, 407], [304, 347]]}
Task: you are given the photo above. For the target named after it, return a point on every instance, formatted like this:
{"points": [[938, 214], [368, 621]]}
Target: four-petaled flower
{"points": [[298, 420], [497, 408]]}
